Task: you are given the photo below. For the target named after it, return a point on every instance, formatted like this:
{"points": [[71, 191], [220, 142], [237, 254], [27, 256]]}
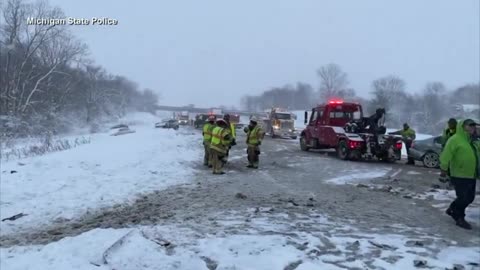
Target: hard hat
{"points": [[254, 119], [211, 118]]}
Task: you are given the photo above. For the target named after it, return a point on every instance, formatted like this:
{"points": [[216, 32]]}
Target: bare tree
{"points": [[333, 81], [45, 75], [386, 89]]}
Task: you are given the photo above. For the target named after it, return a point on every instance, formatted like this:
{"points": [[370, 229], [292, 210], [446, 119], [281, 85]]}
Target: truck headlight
{"points": [[276, 127]]}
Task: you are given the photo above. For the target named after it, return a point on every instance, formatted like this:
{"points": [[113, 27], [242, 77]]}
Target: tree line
{"points": [[47, 80], [427, 109]]}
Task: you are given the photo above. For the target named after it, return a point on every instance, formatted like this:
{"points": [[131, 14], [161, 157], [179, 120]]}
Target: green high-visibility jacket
{"points": [[221, 139], [207, 132], [460, 155], [407, 134], [232, 130], [254, 136]]}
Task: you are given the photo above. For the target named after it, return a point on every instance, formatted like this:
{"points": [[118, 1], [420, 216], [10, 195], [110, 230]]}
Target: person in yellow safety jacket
{"points": [[221, 140], [231, 128], [408, 136], [207, 137], [255, 136]]}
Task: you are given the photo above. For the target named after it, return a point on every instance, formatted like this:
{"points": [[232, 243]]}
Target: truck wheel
{"points": [[342, 150], [303, 144]]}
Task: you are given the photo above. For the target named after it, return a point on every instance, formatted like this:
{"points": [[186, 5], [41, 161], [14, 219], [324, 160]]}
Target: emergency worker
{"points": [[207, 138], [408, 136], [221, 140], [231, 129], [255, 136], [460, 158], [449, 131]]}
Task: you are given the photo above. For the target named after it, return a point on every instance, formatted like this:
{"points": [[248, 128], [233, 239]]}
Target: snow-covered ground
{"points": [[357, 176], [269, 243], [109, 170], [116, 169]]}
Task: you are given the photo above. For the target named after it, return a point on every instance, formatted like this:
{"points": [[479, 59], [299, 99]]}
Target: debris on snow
{"points": [[211, 264], [123, 131], [382, 246], [240, 196], [420, 263], [15, 217], [119, 126]]}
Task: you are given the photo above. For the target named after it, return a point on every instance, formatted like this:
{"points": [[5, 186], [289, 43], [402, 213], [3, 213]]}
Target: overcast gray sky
{"points": [[214, 52]]}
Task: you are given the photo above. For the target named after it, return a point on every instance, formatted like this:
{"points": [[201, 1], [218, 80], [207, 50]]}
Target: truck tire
{"points": [[342, 150], [303, 143]]}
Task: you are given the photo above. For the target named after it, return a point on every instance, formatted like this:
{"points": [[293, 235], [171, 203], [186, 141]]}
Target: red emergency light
{"points": [[336, 101]]}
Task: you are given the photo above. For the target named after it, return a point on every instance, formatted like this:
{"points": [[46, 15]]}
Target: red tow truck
{"points": [[342, 126]]}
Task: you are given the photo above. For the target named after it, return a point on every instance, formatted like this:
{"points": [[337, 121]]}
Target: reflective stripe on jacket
{"points": [[254, 136], [232, 130], [220, 140], [207, 132]]}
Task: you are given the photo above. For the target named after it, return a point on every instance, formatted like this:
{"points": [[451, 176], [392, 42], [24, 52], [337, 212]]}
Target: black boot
{"points": [[462, 223], [449, 212]]}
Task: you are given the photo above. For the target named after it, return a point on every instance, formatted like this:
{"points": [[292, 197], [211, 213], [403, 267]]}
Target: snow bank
{"points": [[144, 248], [107, 171]]}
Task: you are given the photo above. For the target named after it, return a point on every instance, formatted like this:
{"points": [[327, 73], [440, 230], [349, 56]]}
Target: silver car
{"points": [[427, 151]]}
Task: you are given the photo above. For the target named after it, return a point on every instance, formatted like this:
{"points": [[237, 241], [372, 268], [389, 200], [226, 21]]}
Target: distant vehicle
{"points": [[427, 151], [341, 125], [122, 131], [171, 123], [201, 119], [280, 123], [183, 118], [235, 120], [216, 111]]}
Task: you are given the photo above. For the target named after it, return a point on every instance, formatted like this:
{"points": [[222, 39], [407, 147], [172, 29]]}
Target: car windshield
{"points": [[346, 115], [283, 116]]}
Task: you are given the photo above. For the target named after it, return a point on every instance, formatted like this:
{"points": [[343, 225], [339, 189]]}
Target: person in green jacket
{"points": [[449, 131], [460, 157], [408, 136]]}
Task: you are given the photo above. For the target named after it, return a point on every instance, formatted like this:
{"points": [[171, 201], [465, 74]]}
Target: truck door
{"points": [[312, 125], [321, 123], [316, 123]]}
